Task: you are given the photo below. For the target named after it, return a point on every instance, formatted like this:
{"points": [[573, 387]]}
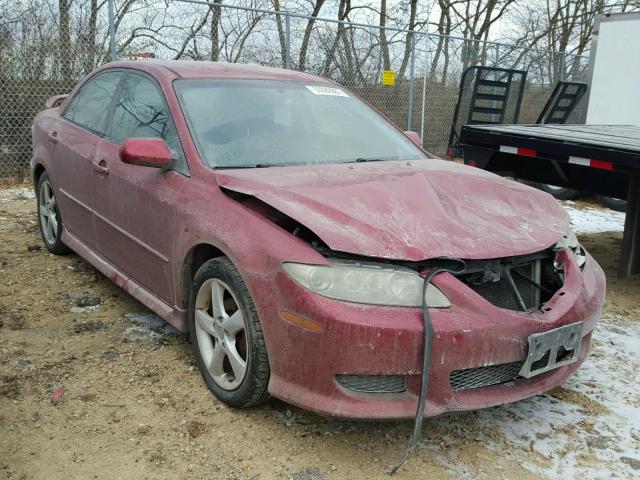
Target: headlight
{"points": [[570, 241], [370, 284]]}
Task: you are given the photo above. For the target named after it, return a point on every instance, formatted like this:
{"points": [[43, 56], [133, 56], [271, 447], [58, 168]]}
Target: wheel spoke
{"points": [[205, 322], [216, 366], [238, 365], [48, 192], [217, 300], [44, 218], [49, 232], [234, 324], [53, 221]]}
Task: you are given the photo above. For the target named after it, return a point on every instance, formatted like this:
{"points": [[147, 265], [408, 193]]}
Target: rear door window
{"points": [[90, 106]]}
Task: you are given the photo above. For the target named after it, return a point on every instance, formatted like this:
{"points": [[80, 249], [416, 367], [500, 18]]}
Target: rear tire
{"points": [[560, 193], [226, 335], [49, 220], [617, 204]]}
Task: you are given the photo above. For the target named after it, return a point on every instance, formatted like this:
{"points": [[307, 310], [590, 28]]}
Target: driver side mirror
{"points": [[146, 152], [414, 137]]}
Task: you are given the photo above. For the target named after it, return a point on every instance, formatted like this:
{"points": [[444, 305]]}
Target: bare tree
{"points": [[64, 47], [564, 26], [317, 6], [445, 27], [215, 33], [384, 44], [476, 19], [344, 8], [281, 33]]}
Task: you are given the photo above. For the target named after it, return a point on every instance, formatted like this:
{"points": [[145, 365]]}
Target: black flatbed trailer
{"points": [[603, 159]]}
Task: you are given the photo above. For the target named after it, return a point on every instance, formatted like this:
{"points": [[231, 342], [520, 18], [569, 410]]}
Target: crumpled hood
{"points": [[408, 210]]}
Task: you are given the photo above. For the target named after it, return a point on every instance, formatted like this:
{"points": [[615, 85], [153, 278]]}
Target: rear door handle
{"points": [[53, 136], [100, 167]]}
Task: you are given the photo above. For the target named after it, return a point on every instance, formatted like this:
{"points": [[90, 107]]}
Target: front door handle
{"points": [[100, 167], [53, 136]]}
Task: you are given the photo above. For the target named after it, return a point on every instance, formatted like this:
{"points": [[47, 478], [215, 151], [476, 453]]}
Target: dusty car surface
{"points": [[290, 227]]}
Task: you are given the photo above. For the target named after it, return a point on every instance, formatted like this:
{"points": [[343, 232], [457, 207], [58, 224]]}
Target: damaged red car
{"points": [[315, 252]]}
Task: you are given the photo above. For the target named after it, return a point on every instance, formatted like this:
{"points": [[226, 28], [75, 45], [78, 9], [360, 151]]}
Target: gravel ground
{"points": [[94, 386]]}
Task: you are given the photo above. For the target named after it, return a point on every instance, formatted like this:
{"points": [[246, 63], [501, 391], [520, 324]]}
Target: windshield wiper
{"points": [[370, 159], [258, 165]]}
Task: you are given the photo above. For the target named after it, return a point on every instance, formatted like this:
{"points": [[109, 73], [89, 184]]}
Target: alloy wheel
{"points": [[221, 332], [48, 210]]}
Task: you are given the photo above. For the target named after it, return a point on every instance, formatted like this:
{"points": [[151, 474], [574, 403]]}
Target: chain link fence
{"points": [[49, 57]]}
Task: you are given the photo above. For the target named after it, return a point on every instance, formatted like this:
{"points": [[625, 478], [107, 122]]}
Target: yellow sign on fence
{"points": [[388, 77]]}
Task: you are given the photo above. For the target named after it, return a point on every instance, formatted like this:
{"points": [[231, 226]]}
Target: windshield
{"points": [[248, 123]]}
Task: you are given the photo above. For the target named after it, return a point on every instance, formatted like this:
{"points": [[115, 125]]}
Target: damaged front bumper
{"points": [[362, 361]]}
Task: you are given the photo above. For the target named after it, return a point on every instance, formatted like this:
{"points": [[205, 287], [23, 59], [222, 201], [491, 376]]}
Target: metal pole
{"points": [[424, 99], [411, 75], [630, 255], [112, 32], [287, 41]]}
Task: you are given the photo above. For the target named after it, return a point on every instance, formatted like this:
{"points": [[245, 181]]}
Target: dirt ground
{"points": [[134, 405]]}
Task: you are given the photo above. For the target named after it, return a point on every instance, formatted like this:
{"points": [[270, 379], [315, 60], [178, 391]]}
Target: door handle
{"points": [[100, 167], [53, 136]]}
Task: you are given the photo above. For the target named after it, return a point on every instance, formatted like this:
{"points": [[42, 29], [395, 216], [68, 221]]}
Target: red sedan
{"points": [[314, 251]]}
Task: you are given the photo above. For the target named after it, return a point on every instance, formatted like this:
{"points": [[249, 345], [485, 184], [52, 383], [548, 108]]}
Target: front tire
{"points": [[49, 220], [226, 335]]}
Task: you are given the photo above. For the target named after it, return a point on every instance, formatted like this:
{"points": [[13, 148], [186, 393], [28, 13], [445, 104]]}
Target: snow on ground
{"points": [[11, 194], [594, 220], [147, 325], [588, 429]]}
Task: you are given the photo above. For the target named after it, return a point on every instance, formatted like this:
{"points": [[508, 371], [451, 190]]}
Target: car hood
{"points": [[408, 210]]}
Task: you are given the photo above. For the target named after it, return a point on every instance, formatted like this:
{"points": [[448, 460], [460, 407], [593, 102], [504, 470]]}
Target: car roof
{"points": [[206, 69]]}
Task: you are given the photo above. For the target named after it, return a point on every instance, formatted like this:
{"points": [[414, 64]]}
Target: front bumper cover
{"points": [[371, 340]]}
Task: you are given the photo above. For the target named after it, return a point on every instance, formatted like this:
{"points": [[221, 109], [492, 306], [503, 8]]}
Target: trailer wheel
{"points": [[560, 193], [617, 204]]}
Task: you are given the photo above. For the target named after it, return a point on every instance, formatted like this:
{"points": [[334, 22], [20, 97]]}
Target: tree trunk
{"points": [[343, 10], [90, 38], [307, 34], [384, 44], [64, 40], [215, 32], [408, 40], [281, 34]]}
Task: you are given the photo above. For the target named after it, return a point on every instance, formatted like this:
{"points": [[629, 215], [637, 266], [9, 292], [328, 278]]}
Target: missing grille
{"points": [[522, 284]]}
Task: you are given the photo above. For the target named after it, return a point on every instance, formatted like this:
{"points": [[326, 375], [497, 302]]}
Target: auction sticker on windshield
{"points": [[331, 91]]}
